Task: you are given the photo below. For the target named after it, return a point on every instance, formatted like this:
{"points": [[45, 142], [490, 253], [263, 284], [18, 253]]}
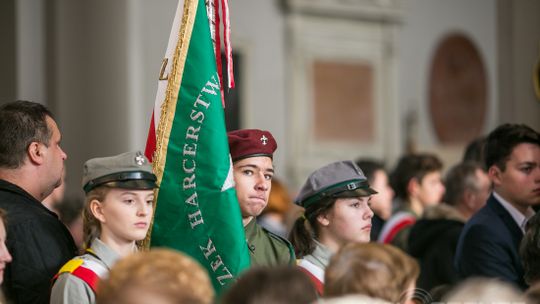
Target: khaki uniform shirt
{"points": [[71, 289], [266, 248]]}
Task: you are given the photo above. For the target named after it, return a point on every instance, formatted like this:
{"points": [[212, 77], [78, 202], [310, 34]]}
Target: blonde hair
{"points": [[91, 225], [159, 273], [485, 290], [376, 270]]}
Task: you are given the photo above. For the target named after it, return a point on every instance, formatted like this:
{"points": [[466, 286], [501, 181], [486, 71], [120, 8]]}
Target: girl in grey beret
{"points": [[117, 213], [336, 201]]}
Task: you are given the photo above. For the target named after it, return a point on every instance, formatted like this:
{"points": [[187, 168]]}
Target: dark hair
{"points": [[369, 167], [21, 123], [282, 284], [474, 152], [460, 178], [306, 227], [412, 166], [69, 210], [501, 142], [530, 250]]}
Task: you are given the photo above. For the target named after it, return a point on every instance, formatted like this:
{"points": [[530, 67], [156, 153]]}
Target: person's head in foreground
{"points": [[158, 276], [283, 285], [373, 270], [484, 290]]}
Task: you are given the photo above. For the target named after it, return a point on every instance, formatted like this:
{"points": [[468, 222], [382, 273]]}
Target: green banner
{"points": [[197, 210]]}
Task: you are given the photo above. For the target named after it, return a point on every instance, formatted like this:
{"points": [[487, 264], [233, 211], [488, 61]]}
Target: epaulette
{"points": [[88, 271], [284, 240]]}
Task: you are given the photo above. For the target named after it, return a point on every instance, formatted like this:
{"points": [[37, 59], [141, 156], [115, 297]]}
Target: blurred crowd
{"points": [[356, 232]]}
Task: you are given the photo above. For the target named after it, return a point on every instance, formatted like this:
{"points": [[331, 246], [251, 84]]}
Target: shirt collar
{"points": [[320, 256], [520, 218], [106, 254], [8, 186]]}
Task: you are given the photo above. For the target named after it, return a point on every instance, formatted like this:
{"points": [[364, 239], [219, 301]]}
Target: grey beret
{"points": [[339, 179], [129, 170]]}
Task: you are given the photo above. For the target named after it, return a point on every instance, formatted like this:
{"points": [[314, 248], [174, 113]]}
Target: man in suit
{"points": [[488, 245]]}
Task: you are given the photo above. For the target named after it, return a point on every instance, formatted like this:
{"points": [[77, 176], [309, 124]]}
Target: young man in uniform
{"points": [[251, 152]]}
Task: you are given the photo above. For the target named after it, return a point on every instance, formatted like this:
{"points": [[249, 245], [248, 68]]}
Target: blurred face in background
{"points": [[483, 190], [430, 190], [5, 257], [381, 203]]}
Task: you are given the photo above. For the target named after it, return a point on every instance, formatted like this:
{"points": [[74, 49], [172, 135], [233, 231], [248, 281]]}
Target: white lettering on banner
{"points": [[216, 263], [191, 133], [192, 200], [186, 169], [189, 183], [190, 150], [213, 85], [195, 218]]}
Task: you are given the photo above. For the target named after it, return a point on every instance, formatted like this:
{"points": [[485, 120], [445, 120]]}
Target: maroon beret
{"points": [[250, 143]]}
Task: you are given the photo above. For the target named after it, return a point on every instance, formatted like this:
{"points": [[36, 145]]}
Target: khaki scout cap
{"points": [[129, 170], [339, 179]]}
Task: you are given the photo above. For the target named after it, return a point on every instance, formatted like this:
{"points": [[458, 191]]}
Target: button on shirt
{"points": [[266, 249]]}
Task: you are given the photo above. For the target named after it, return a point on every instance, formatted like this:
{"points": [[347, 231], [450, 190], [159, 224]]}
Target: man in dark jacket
{"points": [[31, 167], [488, 245], [433, 239]]}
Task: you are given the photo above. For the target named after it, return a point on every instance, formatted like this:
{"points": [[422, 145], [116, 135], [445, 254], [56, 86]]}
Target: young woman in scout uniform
{"points": [[336, 201], [117, 213]]}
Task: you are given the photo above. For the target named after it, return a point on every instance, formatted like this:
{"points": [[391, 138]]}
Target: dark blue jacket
{"points": [[488, 245]]}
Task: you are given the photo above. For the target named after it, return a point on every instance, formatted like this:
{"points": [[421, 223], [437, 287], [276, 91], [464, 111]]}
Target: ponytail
{"points": [[306, 227], [302, 238]]}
